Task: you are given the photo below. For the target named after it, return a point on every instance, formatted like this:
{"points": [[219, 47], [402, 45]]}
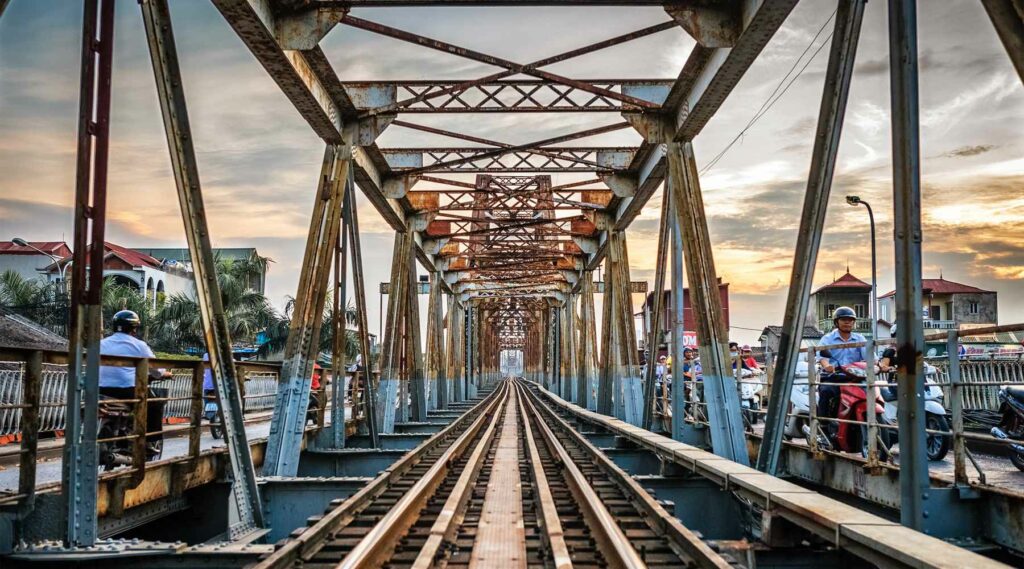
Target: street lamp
{"points": [[56, 260], [855, 201]]}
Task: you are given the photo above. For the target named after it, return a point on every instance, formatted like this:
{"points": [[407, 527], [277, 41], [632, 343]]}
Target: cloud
{"points": [[968, 151]]}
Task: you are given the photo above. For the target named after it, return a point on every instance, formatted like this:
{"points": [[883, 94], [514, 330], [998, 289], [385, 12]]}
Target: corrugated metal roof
{"points": [[942, 286], [847, 281]]}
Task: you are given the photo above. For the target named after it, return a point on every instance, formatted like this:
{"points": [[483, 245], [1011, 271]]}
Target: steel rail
{"points": [[377, 545], [313, 538], [667, 524], [448, 520], [609, 536], [549, 512]]}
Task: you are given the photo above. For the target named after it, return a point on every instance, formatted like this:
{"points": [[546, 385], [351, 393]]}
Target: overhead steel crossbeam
{"points": [[502, 96]]}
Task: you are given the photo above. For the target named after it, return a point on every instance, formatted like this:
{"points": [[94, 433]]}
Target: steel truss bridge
{"points": [[442, 460]]}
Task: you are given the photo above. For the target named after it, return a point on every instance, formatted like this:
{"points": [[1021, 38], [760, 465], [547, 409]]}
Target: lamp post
{"points": [[56, 260], [855, 201]]}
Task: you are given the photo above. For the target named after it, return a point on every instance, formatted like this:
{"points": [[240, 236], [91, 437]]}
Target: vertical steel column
{"points": [[436, 372], [720, 391], [588, 343], [414, 360], [609, 341], [287, 427], [838, 76], [681, 431], [79, 474], [369, 388], [654, 321], [246, 508], [906, 169], [568, 359], [391, 346], [454, 322], [334, 436]]}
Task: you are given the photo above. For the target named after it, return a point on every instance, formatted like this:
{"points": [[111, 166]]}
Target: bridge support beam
{"points": [[812, 223], [654, 322], [720, 390], [587, 334], [303, 345], [437, 375], [455, 323], [245, 506], [619, 391], [915, 486], [79, 474]]}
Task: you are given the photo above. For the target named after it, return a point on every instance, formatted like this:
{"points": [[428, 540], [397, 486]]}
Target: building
{"points": [[129, 267], [28, 262], [948, 305], [847, 290], [688, 320], [258, 282], [772, 335]]}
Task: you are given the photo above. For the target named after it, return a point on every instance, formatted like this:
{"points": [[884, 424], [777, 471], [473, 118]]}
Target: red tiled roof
{"points": [[942, 286], [129, 256], [846, 281], [58, 248]]}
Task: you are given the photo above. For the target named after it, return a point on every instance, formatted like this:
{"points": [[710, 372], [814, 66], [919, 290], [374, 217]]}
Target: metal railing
{"points": [[970, 388], [33, 390], [260, 390]]}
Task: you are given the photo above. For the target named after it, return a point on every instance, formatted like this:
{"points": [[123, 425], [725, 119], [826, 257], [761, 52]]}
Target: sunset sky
{"points": [[259, 160]]}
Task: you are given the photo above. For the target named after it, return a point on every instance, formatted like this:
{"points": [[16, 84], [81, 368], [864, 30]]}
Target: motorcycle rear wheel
{"points": [[1017, 459], [937, 445]]}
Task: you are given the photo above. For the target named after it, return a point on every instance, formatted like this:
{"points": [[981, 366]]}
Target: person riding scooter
{"points": [[844, 319], [118, 382]]}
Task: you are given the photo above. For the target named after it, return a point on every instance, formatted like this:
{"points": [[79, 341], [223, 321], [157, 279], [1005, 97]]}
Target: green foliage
{"points": [[175, 324]]}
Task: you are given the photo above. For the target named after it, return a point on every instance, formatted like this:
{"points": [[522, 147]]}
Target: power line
{"points": [[775, 95]]}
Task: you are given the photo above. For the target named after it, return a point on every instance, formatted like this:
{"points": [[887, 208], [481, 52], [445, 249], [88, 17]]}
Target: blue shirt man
{"points": [[121, 344], [842, 356]]}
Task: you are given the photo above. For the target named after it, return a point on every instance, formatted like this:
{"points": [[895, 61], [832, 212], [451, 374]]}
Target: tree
{"points": [[248, 312], [277, 333], [36, 299]]}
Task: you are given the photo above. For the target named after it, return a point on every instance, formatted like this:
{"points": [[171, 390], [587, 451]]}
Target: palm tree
{"points": [[178, 321], [35, 299], [16, 290], [277, 332], [118, 296]]}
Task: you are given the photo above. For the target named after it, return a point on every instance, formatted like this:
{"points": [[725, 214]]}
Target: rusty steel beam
{"points": [[500, 96], [79, 467], [245, 499], [511, 68], [1008, 19]]}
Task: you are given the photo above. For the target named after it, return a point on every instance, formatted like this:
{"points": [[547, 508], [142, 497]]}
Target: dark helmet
{"points": [[843, 312], [126, 321]]}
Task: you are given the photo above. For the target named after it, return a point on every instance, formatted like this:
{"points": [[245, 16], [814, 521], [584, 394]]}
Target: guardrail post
{"points": [[872, 420], [30, 396], [140, 417], [956, 405], [198, 405], [838, 76], [812, 401], [245, 505]]}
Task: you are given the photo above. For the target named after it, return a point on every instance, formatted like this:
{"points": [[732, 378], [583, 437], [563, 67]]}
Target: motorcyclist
{"points": [[844, 319], [118, 382]]}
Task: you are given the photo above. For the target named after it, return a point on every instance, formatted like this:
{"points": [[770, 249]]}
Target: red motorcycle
{"points": [[853, 406]]}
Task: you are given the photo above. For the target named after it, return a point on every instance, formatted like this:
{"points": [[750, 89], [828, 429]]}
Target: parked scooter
{"points": [[117, 421], [937, 446], [1011, 425], [853, 406]]}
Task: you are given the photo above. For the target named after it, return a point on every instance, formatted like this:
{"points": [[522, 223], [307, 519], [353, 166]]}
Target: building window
{"points": [[885, 311], [830, 309], [973, 307], [859, 309], [934, 313]]}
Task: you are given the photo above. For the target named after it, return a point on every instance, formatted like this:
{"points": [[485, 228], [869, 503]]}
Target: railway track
{"points": [[511, 485]]}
